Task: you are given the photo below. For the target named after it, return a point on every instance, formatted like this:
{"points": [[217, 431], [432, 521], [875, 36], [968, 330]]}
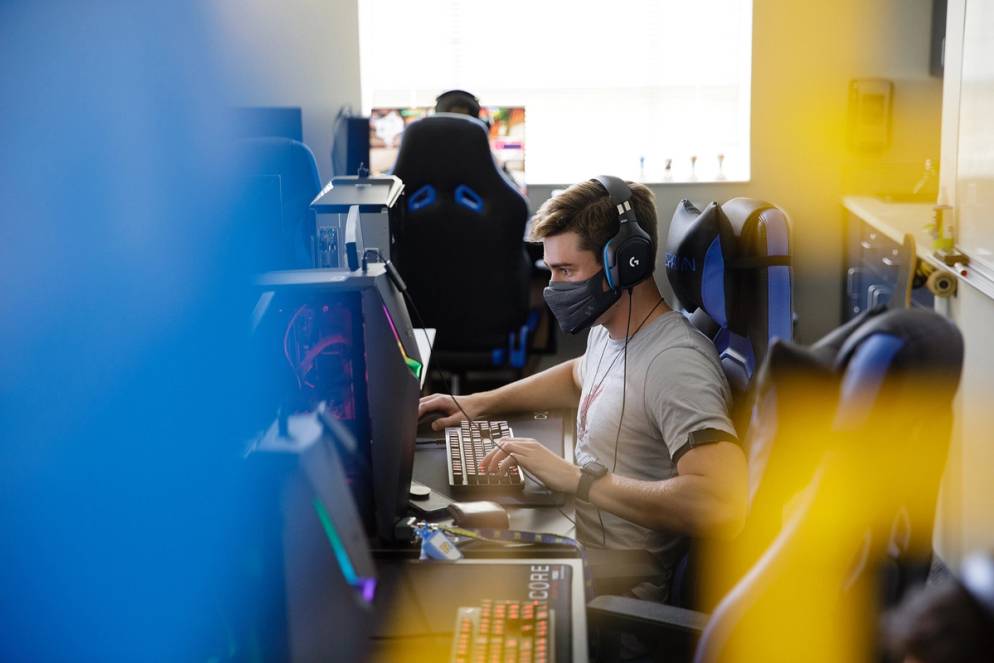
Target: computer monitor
{"points": [[344, 341], [506, 135], [350, 148]]}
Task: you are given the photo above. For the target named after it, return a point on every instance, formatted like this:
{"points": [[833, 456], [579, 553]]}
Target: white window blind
{"points": [[614, 87]]}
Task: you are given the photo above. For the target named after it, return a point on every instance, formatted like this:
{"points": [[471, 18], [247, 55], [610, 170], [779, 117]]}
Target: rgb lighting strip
{"points": [[366, 586], [413, 364]]}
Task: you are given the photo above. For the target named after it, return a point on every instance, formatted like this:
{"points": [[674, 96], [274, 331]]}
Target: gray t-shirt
{"points": [[675, 387]]}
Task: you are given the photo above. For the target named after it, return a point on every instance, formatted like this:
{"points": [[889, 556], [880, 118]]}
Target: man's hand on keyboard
{"points": [[551, 469], [450, 413]]}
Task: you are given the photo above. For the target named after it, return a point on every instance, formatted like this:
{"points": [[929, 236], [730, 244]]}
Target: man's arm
{"points": [[554, 388], [707, 498]]}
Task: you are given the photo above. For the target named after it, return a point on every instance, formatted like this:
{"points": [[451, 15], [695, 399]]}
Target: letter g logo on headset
{"points": [[627, 259]]}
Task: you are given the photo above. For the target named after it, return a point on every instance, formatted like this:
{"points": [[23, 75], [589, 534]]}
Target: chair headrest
{"points": [[447, 150], [899, 351], [700, 250], [761, 228]]}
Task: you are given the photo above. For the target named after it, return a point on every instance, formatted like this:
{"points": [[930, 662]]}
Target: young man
{"points": [[655, 455]]}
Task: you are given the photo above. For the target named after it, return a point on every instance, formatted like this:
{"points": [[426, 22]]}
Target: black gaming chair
{"points": [[729, 266], [884, 386], [461, 245]]}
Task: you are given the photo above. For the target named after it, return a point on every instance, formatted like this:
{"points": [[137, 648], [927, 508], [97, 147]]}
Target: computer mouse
{"points": [[425, 422]]}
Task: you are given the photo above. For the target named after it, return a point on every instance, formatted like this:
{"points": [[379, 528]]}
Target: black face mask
{"points": [[577, 305]]}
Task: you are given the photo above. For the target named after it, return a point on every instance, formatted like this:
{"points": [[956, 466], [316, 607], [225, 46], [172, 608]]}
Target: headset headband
{"points": [[620, 195]]}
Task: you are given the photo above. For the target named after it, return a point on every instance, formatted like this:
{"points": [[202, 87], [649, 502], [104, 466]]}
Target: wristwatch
{"points": [[589, 473]]}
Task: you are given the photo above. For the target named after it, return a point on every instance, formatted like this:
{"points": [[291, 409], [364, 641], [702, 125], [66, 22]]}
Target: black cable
{"points": [[603, 532], [624, 382], [624, 392]]}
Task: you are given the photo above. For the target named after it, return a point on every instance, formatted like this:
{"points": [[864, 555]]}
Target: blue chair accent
{"points": [[713, 282], [469, 199], [700, 245], [294, 164], [421, 198], [865, 374], [518, 349]]}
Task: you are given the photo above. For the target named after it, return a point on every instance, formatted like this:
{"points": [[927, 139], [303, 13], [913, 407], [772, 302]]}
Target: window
{"points": [[621, 87]]}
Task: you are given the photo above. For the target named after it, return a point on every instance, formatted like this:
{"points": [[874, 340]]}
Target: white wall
{"points": [[297, 53]]}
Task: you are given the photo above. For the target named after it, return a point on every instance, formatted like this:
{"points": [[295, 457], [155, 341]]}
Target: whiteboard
{"points": [[975, 161]]}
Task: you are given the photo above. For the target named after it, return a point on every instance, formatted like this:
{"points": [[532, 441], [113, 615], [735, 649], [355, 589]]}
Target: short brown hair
{"points": [[586, 209]]}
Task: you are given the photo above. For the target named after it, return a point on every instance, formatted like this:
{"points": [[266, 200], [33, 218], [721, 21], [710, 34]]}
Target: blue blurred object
{"points": [[262, 121], [293, 163], [125, 307]]}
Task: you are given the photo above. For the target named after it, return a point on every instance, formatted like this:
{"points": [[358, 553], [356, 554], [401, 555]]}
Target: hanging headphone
{"points": [[629, 257]]}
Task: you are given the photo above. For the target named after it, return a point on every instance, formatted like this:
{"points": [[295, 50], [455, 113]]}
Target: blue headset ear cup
{"points": [[632, 252], [610, 266]]}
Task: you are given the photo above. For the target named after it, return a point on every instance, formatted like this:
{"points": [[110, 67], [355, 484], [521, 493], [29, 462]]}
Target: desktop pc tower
{"points": [[343, 342]]}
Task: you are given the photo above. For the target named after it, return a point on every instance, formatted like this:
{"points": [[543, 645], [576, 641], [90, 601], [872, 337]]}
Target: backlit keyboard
{"points": [[504, 630], [465, 447]]}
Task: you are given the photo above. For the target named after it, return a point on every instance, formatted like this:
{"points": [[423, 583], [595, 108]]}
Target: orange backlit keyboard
{"points": [[504, 630]]}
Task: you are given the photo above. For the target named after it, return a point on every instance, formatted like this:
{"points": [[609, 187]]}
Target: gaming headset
{"points": [[629, 256]]}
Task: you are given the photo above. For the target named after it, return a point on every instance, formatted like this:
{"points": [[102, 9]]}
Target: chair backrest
{"points": [[294, 164], [793, 401], [883, 452], [460, 247], [763, 298], [729, 266]]}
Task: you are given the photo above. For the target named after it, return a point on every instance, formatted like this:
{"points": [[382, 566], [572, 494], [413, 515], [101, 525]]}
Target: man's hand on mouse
{"points": [[551, 469], [451, 414]]}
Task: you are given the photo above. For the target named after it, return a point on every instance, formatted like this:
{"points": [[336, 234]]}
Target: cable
{"points": [[624, 382], [624, 393]]}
